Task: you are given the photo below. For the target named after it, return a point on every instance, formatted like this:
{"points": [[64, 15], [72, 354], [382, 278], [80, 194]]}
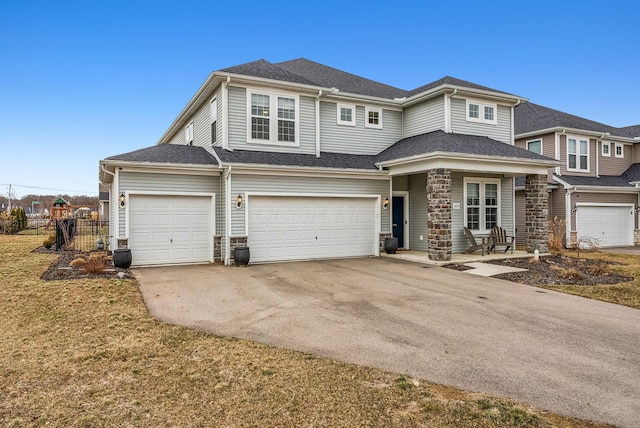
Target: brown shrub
{"points": [[556, 232], [598, 269], [571, 274], [96, 263], [78, 263]]}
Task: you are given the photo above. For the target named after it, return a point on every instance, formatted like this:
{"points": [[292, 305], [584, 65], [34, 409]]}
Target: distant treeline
{"points": [[46, 201]]}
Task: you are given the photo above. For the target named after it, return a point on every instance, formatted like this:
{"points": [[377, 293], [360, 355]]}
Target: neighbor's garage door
{"points": [[611, 225], [301, 228], [169, 229]]}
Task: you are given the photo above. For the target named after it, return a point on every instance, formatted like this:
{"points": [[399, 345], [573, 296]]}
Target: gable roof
{"points": [[448, 80], [168, 153], [530, 117], [440, 141], [631, 131]]}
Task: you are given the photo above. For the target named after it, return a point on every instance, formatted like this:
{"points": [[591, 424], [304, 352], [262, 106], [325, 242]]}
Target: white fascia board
{"points": [[462, 157], [463, 92], [564, 130], [597, 189], [470, 163], [345, 97], [163, 167], [256, 169]]}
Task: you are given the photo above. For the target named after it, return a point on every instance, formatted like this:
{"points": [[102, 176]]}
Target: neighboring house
{"points": [[301, 161], [596, 186], [103, 201]]}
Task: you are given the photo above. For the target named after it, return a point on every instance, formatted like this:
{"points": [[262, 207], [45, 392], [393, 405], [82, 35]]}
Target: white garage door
{"points": [[611, 225], [302, 228], [169, 229]]}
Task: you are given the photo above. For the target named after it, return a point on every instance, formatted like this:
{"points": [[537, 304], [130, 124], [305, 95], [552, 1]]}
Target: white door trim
{"points": [[405, 229]]}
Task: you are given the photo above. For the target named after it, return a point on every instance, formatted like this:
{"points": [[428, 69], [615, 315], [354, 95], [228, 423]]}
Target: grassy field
{"points": [[85, 353]]}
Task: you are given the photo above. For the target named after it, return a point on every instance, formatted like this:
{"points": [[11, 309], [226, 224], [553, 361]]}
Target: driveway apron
{"points": [[559, 352]]}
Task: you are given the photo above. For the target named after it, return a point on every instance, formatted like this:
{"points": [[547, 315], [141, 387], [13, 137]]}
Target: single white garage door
{"points": [[611, 225], [303, 228], [169, 229]]}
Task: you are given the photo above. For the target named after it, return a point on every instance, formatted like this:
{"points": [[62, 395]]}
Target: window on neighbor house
{"points": [[373, 117], [606, 149], [213, 115], [481, 112], [188, 134], [482, 204], [578, 154], [619, 150], [267, 109], [346, 115], [535, 146]]}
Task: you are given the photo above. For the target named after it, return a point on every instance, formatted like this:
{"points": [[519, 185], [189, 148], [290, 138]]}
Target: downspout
{"points": [[557, 148], [225, 113], [447, 110], [318, 123], [598, 152], [116, 234], [513, 138], [111, 204], [567, 210], [227, 214]]}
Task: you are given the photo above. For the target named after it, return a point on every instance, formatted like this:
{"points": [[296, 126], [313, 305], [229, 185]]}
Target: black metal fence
{"points": [[82, 234]]}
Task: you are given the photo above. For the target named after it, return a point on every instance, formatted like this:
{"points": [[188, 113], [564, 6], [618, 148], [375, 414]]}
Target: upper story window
{"points": [[619, 150], [481, 112], [578, 154], [606, 149], [373, 117], [535, 146], [272, 118], [188, 133], [346, 115], [213, 116]]}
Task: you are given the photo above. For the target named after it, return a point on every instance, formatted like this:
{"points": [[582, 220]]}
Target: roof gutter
{"points": [[162, 165], [572, 131], [464, 156]]}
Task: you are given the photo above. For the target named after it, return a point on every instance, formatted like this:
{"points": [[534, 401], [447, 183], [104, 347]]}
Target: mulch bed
{"points": [[60, 269], [559, 270]]}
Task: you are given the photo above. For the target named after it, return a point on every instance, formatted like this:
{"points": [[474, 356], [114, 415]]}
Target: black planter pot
{"points": [[390, 245], [122, 258], [241, 256]]}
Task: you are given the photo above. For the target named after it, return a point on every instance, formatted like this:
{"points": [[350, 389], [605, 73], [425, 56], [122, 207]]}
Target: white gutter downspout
{"points": [[318, 123], [111, 208], [598, 152], [225, 114], [513, 133], [447, 111], [557, 148], [227, 223], [567, 210]]}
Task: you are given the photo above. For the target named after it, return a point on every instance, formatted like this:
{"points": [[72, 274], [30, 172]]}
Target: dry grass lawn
{"points": [[85, 353]]}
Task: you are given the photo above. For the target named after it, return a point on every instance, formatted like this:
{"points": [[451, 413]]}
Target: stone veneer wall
{"points": [[217, 248], [382, 238], [439, 214], [536, 209], [236, 241], [636, 237]]}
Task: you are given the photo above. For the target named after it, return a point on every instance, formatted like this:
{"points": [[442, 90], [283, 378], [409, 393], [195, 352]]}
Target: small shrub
{"points": [[96, 263], [78, 263], [598, 269], [571, 274], [48, 242], [556, 232]]}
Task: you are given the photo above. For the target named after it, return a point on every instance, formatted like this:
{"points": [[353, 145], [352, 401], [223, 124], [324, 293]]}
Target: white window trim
{"points": [[188, 133], [608, 145], [578, 139], [339, 121], [213, 117], [615, 150], [481, 105], [482, 182], [366, 117], [535, 141], [273, 118]]}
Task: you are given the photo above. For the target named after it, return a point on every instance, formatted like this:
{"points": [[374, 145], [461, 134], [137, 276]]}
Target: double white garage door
{"points": [[610, 225], [302, 228], [170, 229]]}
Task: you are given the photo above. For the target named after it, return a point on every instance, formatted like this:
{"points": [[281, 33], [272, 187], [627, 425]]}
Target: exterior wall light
{"points": [[239, 202], [122, 200], [385, 203]]}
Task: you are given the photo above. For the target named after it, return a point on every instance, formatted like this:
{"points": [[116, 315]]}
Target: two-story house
{"points": [[595, 188], [300, 161]]}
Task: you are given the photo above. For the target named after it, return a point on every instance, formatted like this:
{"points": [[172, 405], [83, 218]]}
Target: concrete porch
{"points": [[423, 257]]}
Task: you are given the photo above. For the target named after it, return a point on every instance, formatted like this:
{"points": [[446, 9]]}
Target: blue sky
{"points": [[84, 80]]}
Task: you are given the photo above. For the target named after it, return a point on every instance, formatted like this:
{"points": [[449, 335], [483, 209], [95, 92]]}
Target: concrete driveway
{"points": [[563, 353]]}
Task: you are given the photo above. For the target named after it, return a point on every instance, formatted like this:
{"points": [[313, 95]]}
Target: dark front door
{"points": [[398, 219]]}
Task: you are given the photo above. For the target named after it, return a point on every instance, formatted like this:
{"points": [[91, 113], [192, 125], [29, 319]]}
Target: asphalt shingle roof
{"points": [[448, 80], [440, 141], [632, 174], [631, 131], [326, 159], [266, 70], [169, 153], [603, 180]]}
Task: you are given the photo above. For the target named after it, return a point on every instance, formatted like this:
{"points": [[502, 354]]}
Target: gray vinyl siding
{"points": [[418, 212], [241, 184], [401, 183], [548, 148], [457, 216], [169, 183], [592, 158], [521, 218], [424, 117], [611, 165], [459, 124], [357, 139], [238, 125]]}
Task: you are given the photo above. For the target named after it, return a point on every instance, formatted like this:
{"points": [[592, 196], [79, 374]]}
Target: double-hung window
{"points": [[213, 116], [578, 154], [482, 204], [481, 112], [273, 118]]}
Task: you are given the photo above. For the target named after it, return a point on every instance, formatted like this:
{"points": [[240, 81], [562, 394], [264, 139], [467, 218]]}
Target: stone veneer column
{"points": [[439, 214], [536, 210]]}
